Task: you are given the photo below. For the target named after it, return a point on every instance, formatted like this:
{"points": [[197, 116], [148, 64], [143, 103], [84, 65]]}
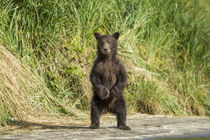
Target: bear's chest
{"points": [[108, 74]]}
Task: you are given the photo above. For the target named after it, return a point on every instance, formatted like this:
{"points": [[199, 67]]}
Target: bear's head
{"points": [[107, 44]]}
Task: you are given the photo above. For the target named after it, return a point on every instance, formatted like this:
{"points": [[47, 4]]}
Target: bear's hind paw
{"points": [[94, 126], [124, 127]]}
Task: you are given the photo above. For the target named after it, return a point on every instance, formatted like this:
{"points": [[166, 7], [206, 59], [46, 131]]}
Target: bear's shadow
{"points": [[25, 125]]}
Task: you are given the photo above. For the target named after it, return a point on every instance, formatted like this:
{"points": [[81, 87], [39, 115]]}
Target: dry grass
{"points": [[24, 96]]}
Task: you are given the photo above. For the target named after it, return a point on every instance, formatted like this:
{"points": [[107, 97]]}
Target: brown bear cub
{"points": [[108, 78]]}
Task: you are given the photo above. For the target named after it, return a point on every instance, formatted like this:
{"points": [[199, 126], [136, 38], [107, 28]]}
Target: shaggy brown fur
{"points": [[108, 78]]}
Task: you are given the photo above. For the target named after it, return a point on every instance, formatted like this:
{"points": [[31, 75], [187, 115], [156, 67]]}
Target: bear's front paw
{"points": [[115, 92], [105, 94]]}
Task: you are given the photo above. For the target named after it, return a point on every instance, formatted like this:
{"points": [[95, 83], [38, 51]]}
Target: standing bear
{"points": [[108, 78]]}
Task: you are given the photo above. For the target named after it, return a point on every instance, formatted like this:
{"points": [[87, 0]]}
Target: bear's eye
{"points": [[102, 42]]}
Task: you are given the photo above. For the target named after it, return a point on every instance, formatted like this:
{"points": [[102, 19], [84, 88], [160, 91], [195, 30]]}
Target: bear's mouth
{"points": [[105, 51]]}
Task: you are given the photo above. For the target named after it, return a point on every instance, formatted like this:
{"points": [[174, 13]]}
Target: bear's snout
{"points": [[106, 49]]}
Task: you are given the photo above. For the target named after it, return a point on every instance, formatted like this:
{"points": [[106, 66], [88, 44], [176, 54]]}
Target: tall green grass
{"points": [[164, 45]]}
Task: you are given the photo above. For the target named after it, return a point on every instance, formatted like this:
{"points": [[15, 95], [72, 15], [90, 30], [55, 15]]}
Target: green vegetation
{"points": [[164, 45]]}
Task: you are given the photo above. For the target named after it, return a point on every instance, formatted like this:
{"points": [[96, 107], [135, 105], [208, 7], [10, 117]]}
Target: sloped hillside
{"points": [[23, 95]]}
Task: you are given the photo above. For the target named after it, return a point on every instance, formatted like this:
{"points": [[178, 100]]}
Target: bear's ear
{"points": [[97, 35], [116, 35]]}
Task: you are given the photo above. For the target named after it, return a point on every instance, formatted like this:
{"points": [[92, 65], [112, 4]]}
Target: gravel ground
{"points": [[142, 127]]}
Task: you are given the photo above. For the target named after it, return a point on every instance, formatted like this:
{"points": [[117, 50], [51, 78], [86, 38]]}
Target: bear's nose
{"points": [[105, 49]]}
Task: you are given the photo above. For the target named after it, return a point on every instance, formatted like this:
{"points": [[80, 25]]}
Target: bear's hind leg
{"points": [[95, 115], [121, 119], [119, 108]]}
